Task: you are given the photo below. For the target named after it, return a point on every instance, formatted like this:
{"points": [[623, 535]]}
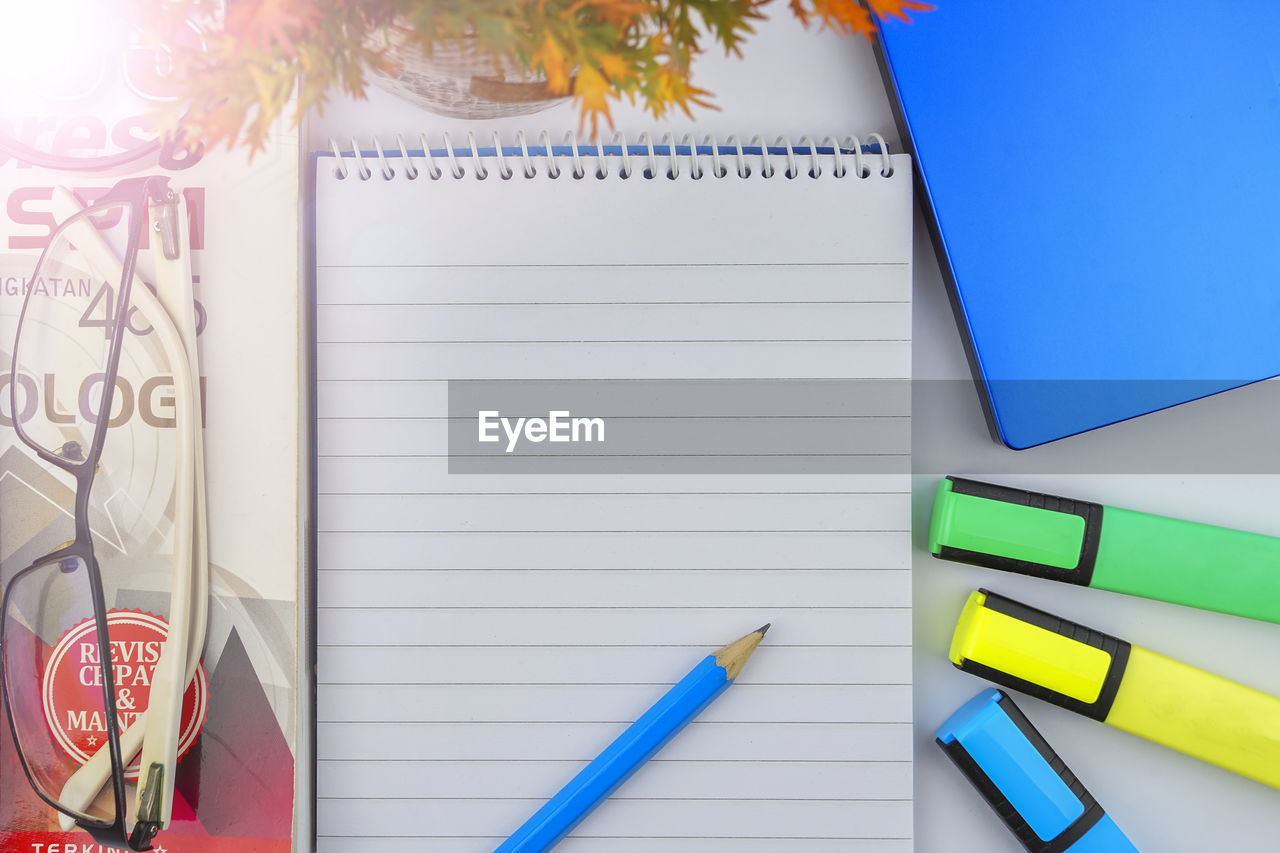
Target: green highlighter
{"points": [[1199, 565]]}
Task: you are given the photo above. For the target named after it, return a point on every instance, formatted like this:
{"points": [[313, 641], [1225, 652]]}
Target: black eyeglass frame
{"points": [[136, 193]]}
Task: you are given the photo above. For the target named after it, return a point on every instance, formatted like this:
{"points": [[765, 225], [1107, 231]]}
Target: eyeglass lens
{"points": [[54, 678], [64, 340]]}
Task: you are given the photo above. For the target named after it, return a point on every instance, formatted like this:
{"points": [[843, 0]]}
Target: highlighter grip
{"points": [[1014, 530], [1023, 780], [1034, 652]]}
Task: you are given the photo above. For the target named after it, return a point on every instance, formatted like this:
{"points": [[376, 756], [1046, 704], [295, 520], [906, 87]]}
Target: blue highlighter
{"points": [[1025, 781]]}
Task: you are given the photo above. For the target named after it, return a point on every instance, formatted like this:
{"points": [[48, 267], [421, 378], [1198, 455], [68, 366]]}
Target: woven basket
{"points": [[457, 79]]}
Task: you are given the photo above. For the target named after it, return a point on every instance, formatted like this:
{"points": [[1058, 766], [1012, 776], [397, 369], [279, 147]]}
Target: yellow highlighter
{"points": [[1123, 685]]}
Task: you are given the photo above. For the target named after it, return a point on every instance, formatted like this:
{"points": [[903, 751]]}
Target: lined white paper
{"points": [[481, 637]]}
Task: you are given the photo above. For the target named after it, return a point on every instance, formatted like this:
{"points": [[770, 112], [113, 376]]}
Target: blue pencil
{"points": [[640, 742]]}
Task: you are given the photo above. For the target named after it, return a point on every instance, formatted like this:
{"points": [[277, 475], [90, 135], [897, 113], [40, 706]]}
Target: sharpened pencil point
{"points": [[733, 656], [764, 629]]}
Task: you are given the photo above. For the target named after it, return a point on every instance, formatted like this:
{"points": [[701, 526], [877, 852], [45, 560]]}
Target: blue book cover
{"points": [[1104, 191]]}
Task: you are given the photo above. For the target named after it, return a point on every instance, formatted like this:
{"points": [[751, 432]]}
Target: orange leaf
{"points": [[898, 8], [551, 59], [845, 16], [613, 66], [616, 12], [798, 9], [593, 90], [262, 23]]}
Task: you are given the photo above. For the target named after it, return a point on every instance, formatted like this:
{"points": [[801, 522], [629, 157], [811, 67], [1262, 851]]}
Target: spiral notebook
{"points": [[492, 612]]}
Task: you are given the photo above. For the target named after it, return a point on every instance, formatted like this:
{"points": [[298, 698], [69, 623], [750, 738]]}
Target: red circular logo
{"points": [[72, 686]]}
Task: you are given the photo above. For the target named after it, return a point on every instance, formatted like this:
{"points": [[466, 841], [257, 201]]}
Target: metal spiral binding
{"points": [[643, 157]]}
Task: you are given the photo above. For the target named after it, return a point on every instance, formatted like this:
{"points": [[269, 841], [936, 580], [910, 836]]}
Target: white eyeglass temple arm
{"points": [[160, 740], [188, 615]]}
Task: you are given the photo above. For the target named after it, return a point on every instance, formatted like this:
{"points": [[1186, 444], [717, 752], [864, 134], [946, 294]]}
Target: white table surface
{"points": [[794, 81]]}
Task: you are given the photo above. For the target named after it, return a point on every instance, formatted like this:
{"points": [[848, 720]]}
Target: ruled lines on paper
{"points": [[481, 637]]}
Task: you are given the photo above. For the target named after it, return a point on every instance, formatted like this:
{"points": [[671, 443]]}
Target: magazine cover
{"points": [[186, 502]]}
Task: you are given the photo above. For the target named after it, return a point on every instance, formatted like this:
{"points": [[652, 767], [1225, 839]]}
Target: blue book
{"points": [[1104, 189]]}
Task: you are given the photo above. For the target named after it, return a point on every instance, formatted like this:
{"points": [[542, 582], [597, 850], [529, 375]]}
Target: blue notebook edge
{"points": [[936, 236], [1001, 432]]}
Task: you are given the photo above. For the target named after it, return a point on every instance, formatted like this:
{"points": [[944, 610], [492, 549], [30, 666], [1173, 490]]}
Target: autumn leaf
{"points": [[850, 16], [264, 23], [613, 66], [884, 9], [592, 91], [799, 10], [599, 51], [550, 60], [844, 16]]}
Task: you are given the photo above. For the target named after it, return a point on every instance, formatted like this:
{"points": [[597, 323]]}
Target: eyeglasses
{"points": [[70, 691]]}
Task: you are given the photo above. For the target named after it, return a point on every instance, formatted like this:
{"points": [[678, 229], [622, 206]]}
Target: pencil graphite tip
{"points": [[733, 656], [764, 629]]}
